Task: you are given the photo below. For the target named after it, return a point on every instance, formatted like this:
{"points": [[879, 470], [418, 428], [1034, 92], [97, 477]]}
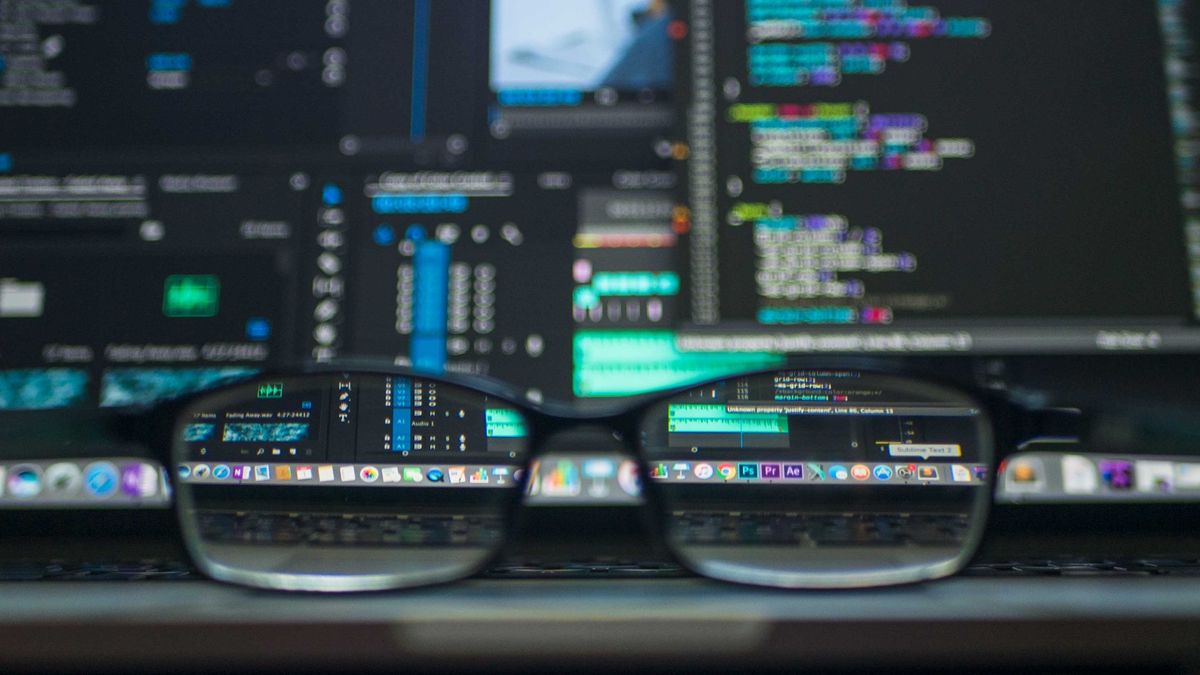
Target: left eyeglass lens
{"points": [[347, 482]]}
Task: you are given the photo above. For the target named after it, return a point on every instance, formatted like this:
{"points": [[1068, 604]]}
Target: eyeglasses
{"points": [[798, 478]]}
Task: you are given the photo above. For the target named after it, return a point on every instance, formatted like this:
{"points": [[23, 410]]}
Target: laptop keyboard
{"points": [[1083, 567], [817, 529], [350, 530], [174, 570], [693, 527], [74, 570]]}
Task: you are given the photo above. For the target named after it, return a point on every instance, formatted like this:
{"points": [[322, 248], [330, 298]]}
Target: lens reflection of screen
{"points": [[820, 478], [351, 481]]}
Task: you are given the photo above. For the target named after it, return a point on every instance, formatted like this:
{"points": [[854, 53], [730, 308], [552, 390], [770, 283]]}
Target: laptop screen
{"points": [[589, 199]]}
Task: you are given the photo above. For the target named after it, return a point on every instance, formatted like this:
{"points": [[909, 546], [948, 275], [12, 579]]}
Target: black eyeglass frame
{"points": [[1008, 424]]}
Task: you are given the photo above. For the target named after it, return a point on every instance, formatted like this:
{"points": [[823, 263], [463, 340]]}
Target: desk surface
{"points": [[546, 623]]}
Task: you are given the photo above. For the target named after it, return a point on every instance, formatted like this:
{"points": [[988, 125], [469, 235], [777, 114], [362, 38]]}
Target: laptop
{"points": [[593, 200]]}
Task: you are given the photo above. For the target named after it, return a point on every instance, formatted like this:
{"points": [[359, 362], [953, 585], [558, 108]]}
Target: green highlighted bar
{"points": [[626, 284], [625, 363], [191, 295], [270, 390], [749, 211], [708, 418], [636, 283], [505, 423], [749, 112]]}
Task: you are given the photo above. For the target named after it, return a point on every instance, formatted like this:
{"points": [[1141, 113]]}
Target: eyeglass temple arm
{"points": [[150, 429], [1108, 423], [1019, 425], [1052, 425]]}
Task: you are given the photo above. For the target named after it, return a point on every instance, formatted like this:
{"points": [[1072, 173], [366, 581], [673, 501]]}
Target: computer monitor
{"points": [[588, 198]]}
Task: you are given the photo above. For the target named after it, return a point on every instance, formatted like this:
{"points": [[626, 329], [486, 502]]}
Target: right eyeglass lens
{"points": [[821, 478]]}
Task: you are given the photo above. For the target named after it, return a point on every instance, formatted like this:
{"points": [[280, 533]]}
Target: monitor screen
{"points": [[991, 177], [587, 198]]}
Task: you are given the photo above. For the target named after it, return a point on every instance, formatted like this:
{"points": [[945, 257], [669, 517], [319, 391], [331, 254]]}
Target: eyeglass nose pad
{"points": [[592, 471], [585, 465]]}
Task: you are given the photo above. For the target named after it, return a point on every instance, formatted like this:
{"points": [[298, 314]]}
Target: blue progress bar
{"points": [[420, 69], [431, 267], [402, 401]]}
